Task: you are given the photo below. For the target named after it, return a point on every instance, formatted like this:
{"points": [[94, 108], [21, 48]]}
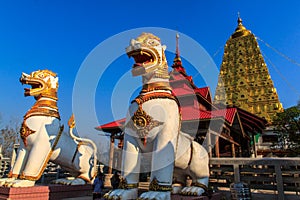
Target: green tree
{"points": [[287, 126]]}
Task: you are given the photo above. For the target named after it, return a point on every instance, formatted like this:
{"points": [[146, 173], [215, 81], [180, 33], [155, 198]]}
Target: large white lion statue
{"points": [[44, 139], [153, 126]]}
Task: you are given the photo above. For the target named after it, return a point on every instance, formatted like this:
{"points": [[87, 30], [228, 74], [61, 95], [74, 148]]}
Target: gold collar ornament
{"points": [[141, 122], [43, 108], [25, 131], [156, 86]]}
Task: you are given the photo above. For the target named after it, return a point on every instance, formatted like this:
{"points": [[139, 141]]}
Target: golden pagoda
{"points": [[244, 80]]}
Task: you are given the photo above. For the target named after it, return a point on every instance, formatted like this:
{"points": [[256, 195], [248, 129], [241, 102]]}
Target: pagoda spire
{"points": [[239, 19], [177, 46], [244, 79], [178, 69], [177, 64]]}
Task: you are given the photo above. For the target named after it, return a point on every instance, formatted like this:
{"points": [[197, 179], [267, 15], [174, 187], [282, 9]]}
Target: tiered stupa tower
{"points": [[244, 80]]}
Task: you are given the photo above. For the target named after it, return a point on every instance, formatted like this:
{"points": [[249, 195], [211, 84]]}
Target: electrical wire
{"points": [[275, 68], [214, 55], [278, 52], [280, 74]]}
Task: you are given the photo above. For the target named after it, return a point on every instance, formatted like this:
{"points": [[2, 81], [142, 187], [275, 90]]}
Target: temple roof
{"points": [[205, 92], [188, 114], [192, 113], [112, 127], [248, 120]]}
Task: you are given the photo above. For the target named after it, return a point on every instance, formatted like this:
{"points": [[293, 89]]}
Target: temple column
{"points": [[107, 182], [217, 147], [209, 144], [233, 150], [254, 145], [111, 154]]}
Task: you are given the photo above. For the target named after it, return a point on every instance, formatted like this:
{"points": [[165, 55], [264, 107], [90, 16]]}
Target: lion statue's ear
{"points": [[54, 82]]}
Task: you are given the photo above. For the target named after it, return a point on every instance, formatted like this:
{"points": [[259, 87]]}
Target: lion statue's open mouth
{"points": [[35, 84], [42, 82], [148, 54], [141, 58], [143, 61]]}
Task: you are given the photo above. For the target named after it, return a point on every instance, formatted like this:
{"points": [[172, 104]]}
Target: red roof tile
{"points": [[177, 77], [185, 90], [228, 113], [203, 91], [112, 125], [192, 113]]}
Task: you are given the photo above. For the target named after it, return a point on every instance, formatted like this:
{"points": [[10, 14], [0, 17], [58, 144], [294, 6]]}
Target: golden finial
{"points": [[240, 29], [239, 19]]}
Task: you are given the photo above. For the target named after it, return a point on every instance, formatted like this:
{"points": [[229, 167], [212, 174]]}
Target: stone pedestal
{"points": [[26, 193], [68, 191], [52, 192]]}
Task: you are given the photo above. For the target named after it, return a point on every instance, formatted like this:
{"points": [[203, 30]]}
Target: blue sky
{"points": [[59, 35]]}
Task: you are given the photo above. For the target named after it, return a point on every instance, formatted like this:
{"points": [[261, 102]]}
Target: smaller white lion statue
{"points": [[44, 139]]}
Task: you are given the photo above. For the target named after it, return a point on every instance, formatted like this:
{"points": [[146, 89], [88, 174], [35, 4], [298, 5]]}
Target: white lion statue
{"points": [[44, 139], [153, 126]]}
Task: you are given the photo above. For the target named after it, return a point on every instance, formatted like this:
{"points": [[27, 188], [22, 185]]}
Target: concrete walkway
{"points": [[226, 195], [262, 194]]}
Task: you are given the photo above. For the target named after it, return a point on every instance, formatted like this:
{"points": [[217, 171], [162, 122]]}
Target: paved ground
{"points": [[225, 193], [262, 195], [80, 198], [256, 195]]}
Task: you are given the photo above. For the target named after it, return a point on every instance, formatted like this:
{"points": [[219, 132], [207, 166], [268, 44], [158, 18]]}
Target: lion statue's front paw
{"points": [[3, 181], [19, 183], [176, 188], [153, 195], [69, 181], [192, 191], [122, 194]]}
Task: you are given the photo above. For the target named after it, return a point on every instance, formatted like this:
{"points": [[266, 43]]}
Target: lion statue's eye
{"points": [[153, 42]]}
